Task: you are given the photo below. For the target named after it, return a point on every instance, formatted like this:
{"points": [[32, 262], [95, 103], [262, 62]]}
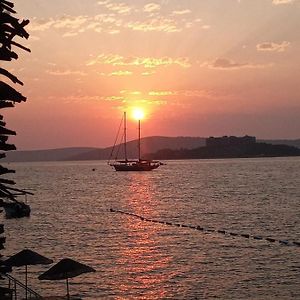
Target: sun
{"points": [[138, 114]]}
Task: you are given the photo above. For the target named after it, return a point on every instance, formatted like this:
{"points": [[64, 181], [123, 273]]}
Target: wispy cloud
{"points": [[278, 2], [151, 7], [148, 73], [37, 24], [181, 12], [135, 93], [120, 73], [112, 98], [146, 62], [271, 46], [159, 97], [183, 93], [155, 24], [114, 18], [227, 64], [161, 93], [65, 72], [117, 7]]}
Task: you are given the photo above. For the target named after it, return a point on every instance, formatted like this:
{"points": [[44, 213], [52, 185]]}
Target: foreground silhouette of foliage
{"points": [[10, 28]]}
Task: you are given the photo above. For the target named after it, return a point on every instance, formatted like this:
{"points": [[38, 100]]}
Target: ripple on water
{"points": [[135, 259]]}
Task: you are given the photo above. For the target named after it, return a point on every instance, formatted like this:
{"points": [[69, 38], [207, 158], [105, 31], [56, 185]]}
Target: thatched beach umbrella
{"points": [[65, 269], [25, 258]]}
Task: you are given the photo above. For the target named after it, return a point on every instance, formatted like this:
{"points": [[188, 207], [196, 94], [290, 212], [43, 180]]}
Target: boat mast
{"points": [[139, 141], [125, 137]]}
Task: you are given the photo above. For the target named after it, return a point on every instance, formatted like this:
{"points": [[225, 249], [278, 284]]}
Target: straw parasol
{"points": [[25, 258], [65, 269]]}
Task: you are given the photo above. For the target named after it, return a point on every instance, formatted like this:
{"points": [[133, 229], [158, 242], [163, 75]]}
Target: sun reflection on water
{"points": [[141, 257]]}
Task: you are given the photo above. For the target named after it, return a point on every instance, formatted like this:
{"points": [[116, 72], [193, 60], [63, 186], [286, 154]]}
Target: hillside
{"points": [[230, 151], [294, 143], [149, 145], [44, 155]]}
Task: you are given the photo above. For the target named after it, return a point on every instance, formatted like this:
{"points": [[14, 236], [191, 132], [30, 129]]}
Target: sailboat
{"points": [[133, 164]]}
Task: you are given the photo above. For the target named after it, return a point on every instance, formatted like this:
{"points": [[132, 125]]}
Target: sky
{"points": [[196, 67]]}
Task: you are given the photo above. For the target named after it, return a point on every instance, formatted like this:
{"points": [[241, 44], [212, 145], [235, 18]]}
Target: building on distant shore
{"points": [[230, 141]]}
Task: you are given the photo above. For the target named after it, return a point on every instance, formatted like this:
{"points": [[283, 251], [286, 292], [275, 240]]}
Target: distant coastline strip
{"points": [[210, 230]]}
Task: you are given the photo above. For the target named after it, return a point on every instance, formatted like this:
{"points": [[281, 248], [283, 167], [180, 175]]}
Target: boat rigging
{"points": [[126, 164]]}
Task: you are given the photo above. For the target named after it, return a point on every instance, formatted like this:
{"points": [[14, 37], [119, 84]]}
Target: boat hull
{"points": [[16, 210], [135, 167]]}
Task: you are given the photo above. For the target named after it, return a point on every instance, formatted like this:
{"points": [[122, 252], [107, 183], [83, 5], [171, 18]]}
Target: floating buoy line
{"points": [[210, 230]]}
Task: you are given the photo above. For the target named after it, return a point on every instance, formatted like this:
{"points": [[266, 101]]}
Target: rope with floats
{"points": [[209, 230]]}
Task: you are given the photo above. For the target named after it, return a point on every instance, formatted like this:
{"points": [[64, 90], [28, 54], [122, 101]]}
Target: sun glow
{"points": [[138, 114]]}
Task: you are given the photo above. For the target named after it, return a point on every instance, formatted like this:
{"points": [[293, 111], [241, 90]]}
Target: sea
{"points": [[192, 229]]}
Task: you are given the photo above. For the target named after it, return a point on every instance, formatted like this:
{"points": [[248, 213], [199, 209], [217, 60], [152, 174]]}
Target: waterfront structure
{"points": [[230, 141]]}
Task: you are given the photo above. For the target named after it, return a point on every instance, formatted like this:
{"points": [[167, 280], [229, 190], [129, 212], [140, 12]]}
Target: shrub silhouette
{"points": [[10, 27]]}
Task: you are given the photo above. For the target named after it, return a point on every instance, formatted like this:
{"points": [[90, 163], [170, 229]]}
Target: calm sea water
{"points": [[141, 260]]}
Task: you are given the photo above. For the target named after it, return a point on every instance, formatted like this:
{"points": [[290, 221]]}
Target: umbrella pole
{"points": [[26, 282], [68, 295]]}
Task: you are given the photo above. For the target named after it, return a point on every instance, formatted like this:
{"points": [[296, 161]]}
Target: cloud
{"points": [[76, 98], [63, 22], [181, 12], [227, 64], [183, 93], [70, 22], [131, 92], [205, 27], [148, 73], [278, 2], [40, 24], [114, 19], [271, 46], [155, 24], [65, 72], [121, 73], [146, 62], [120, 8], [113, 98], [151, 7], [161, 93]]}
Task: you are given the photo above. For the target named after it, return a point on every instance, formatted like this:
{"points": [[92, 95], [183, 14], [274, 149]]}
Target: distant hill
{"points": [[149, 145], [44, 155], [228, 151], [294, 143]]}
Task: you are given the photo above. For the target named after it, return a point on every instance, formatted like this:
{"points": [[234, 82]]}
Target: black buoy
{"points": [[245, 236], [283, 242], [221, 231], [270, 240]]}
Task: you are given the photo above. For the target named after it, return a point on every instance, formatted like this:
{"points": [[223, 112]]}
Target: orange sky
{"points": [[198, 68]]}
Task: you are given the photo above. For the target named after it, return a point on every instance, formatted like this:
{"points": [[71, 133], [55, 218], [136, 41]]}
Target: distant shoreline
{"points": [[153, 147]]}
